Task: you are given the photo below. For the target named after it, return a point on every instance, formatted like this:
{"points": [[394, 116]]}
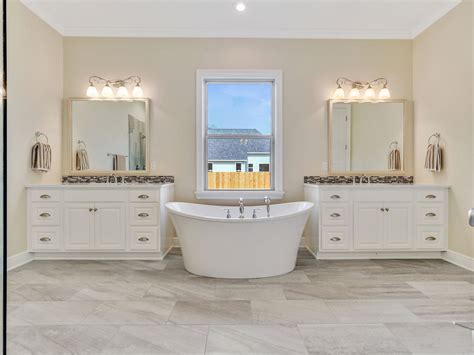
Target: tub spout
{"points": [[241, 208]]}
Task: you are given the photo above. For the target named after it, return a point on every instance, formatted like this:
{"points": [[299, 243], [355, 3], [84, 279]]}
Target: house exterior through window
{"points": [[239, 137]]}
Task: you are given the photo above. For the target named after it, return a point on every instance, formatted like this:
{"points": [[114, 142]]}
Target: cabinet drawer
{"points": [[46, 195], [335, 238], [144, 238], [45, 238], [395, 195], [143, 196], [106, 195], [45, 214], [144, 214], [430, 195], [430, 237], [335, 196], [430, 213], [336, 214]]}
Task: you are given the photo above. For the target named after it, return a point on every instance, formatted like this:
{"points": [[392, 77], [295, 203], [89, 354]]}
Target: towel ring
{"points": [[39, 134], [436, 135], [393, 143], [79, 142]]}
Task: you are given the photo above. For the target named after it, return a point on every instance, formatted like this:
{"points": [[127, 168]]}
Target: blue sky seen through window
{"points": [[240, 106]]}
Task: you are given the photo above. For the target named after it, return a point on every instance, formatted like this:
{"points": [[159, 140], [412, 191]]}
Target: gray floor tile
{"points": [[370, 311], [294, 276], [211, 312], [350, 339], [292, 312], [250, 292], [316, 290], [449, 310], [162, 339], [445, 289], [131, 313], [434, 338], [181, 291], [111, 291], [254, 339]]}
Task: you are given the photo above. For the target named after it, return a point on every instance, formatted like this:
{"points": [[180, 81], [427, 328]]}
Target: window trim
{"points": [[203, 76]]}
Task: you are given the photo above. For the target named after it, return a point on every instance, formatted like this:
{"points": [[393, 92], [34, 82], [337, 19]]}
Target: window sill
{"points": [[232, 195]]}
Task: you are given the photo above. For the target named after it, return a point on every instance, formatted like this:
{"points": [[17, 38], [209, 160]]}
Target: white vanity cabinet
{"points": [[97, 221], [376, 220]]}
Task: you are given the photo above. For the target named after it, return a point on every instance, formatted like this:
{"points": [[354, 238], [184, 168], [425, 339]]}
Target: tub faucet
{"points": [[267, 202], [112, 176], [241, 208]]}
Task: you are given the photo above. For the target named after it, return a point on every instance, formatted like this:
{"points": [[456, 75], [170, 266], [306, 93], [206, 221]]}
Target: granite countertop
{"points": [[100, 186], [377, 185]]}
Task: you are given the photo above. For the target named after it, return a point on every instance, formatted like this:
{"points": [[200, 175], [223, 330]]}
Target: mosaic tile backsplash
{"points": [[320, 180], [102, 179]]}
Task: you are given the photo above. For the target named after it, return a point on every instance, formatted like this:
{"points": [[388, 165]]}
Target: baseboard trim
{"points": [[378, 255], [19, 259], [98, 256], [458, 259]]}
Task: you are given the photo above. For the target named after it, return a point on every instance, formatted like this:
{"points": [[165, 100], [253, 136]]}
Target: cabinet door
{"points": [[368, 226], [398, 225], [109, 226], [79, 226]]}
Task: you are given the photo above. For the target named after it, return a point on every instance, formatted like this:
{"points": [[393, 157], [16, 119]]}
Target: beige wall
{"points": [[442, 82], [168, 69], [35, 73]]}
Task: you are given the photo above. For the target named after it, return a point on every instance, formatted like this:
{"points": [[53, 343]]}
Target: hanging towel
{"points": [[82, 159], [394, 161], [41, 157], [434, 157], [119, 162]]}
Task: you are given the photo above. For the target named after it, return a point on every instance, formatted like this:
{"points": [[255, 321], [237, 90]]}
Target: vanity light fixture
{"points": [[120, 84], [356, 86]]}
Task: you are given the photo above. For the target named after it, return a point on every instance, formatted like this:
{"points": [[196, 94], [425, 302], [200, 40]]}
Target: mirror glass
{"points": [[109, 135], [366, 137]]}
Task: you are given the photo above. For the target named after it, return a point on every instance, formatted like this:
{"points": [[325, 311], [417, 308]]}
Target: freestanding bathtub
{"points": [[215, 246]]}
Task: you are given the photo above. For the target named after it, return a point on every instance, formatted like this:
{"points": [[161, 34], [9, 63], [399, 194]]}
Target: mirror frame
{"points": [[69, 146], [406, 137]]}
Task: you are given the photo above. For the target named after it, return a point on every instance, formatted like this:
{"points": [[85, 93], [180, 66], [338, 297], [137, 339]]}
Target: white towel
{"points": [[41, 157]]}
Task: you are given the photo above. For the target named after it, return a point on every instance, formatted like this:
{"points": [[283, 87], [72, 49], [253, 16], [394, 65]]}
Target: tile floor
{"points": [[323, 307]]}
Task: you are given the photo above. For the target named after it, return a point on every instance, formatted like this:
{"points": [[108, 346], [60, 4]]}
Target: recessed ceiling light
{"points": [[240, 6]]}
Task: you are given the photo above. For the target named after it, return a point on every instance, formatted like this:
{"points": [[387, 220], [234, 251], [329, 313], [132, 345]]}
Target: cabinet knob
{"points": [[144, 197], [45, 215], [335, 197], [91, 209], [335, 215], [430, 214], [45, 239], [430, 197], [335, 239], [143, 215], [382, 209], [387, 209], [95, 209], [143, 239], [45, 197], [430, 238]]}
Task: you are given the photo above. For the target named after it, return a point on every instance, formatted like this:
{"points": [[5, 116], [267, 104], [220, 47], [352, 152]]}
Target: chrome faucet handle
{"points": [[228, 216], [241, 208], [254, 214], [267, 202]]}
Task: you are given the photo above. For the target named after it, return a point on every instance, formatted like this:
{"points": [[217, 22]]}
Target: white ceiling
{"points": [[365, 19]]}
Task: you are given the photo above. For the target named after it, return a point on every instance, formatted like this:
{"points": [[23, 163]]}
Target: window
{"points": [[239, 134]]}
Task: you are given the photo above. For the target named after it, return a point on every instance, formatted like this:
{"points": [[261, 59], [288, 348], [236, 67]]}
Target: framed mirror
{"points": [[367, 137], [108, 136]]}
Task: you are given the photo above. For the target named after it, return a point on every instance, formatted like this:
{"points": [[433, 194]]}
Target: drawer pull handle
{"points": [[335, 197], [430, 214], [91, 209], [45, 197], [335, 239], [143, 215], [144, 197], [143, 239], [430, 238], [430, 197], [45, 239], [335, 215], [45, 215]]}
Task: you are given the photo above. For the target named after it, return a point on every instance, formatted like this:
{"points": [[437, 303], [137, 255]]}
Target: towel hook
{"points": [[38, 134], [79, 142], [436, 135], [391, 144]]}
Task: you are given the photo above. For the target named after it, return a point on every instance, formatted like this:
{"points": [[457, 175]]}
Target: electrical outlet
{"points": [[325, 166]]}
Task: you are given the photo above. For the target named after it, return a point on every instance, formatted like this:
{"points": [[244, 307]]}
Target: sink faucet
{"points": [[241, 208], [267, 202], [113, 176]]}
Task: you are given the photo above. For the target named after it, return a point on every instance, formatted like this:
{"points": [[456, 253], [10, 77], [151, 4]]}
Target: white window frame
{"points": [[203, 76]]}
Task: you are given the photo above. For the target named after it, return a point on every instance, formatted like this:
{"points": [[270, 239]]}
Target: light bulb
{"points": [[384, 93], [369, 93], [339, 93], [92, 91], [240, 7], [122, 91], [354, 94], [107, 91], [137, 91]]}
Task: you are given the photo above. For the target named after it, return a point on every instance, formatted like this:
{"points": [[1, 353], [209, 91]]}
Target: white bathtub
{"points": [[215, 246]]}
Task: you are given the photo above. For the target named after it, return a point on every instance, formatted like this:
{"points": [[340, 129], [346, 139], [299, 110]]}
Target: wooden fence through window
{"points": [[238, 180]]}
